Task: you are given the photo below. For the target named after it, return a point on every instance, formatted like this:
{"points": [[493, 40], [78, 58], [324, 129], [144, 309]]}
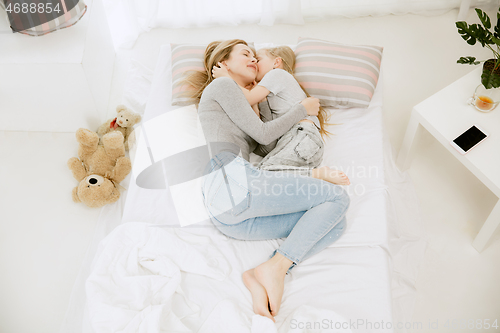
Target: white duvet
{"points": [[136, 285]]}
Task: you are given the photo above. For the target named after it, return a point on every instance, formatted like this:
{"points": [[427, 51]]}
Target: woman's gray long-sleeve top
{"points": [[226, 116]]}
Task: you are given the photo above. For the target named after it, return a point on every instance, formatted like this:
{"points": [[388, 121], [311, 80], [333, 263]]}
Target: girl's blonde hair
{"points": [[215, 52], [288, 60]]}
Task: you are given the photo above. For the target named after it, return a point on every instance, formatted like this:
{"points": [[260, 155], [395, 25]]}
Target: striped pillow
{"points": [[185, 57], [340, 75]]}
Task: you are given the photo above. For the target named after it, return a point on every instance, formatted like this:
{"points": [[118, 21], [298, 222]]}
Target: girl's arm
{"points": [[255, 95], [255, 108]]}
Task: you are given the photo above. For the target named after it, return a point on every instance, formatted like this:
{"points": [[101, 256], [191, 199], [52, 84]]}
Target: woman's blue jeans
{"points": [[247, 203]]}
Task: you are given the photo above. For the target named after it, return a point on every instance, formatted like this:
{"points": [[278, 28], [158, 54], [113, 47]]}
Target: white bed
{"points": [[356, 148], [140, 281]]}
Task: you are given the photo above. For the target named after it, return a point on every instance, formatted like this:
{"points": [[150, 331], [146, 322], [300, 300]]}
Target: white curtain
{"points": [[129, 18], [321, 9]]}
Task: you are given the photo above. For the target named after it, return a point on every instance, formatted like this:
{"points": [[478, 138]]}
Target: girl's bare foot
{"points": [[336, 177], [271, 275], [259, 295]]}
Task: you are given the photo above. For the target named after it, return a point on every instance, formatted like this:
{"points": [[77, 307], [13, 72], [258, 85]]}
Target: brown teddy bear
{"points": [[124, 122], [99, 168]]}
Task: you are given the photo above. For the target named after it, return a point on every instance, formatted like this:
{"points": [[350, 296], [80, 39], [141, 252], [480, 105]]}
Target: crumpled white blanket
{"points": [[134, 283], [134, 286]]}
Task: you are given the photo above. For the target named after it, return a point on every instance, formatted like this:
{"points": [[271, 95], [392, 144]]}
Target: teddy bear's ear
{"points": [[121, 108], [137, 118], [75, 195]]}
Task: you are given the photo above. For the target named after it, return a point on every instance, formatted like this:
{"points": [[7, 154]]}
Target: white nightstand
{"points": [[446, 115]]}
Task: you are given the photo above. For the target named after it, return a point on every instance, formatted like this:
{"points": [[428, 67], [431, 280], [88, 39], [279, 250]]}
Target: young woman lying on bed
{"points": [[248, 203]]}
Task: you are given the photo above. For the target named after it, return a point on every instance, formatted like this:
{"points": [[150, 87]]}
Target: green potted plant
{"points": [[491, 39]]}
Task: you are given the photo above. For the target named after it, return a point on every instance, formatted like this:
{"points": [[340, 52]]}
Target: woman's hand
{"points": [[220, 71], [312, 105]]}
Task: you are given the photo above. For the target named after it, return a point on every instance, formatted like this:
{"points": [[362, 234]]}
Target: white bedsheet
{"points": [[148, 278], [347, 284]]}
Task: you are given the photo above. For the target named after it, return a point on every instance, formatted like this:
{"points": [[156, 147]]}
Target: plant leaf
{"points": [[482, 35], [485, 19], [497, 28], [474, 32], [467, 34], [496, 40], [468, 60], [490, 79]]}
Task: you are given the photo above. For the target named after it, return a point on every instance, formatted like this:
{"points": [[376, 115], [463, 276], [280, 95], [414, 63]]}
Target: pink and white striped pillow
{"points": [[340, 75], [185, 57]]}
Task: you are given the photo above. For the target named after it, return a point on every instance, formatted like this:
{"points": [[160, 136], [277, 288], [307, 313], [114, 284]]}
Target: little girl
{"points": [[301, 148]]}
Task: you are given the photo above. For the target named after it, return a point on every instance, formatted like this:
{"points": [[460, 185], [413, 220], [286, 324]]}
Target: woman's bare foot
{"points": [[336, 177], [271, 275], [259, 295]]}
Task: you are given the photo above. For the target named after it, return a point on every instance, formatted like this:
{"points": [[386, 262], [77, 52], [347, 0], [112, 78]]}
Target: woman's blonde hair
{"points": [[288, 60], [215, 52]]}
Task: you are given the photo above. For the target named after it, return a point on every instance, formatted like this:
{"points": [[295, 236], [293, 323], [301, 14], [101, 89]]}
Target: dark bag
{"points": [[40, 17]]}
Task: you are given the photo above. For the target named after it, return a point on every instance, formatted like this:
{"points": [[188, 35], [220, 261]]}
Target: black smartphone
{"points": [[469, 139]]}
